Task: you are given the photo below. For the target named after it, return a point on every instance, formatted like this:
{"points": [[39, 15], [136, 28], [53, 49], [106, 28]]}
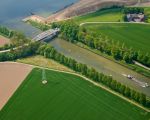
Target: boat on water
{"points": [[142, 84]]}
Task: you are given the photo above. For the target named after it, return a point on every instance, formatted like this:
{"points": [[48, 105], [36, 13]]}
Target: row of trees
{"points": [[20, 52], [71, 32], [49, 52], [133, 10]]}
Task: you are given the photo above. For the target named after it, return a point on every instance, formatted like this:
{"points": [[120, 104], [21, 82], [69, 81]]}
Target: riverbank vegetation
{"points": [[49, 52], [16, 38], [41, 26]]}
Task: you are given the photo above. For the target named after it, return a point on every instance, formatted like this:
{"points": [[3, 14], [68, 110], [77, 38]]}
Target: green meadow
{"points": [[66, 97], [136, 36], [108, 15]]}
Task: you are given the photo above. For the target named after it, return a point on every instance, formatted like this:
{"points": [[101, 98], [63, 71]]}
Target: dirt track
{"points": [[11, 76], [3, 40]]}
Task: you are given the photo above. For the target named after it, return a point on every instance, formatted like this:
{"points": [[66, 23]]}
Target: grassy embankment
{"points": [[41, 26], [43, 62], [108, 15], [67, 97]]}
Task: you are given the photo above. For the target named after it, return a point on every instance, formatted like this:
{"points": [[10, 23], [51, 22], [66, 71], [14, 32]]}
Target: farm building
{"points": [[135, 17]]}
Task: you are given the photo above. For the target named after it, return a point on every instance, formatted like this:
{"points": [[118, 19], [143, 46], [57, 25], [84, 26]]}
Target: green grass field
{"points": [[133, 35], [66, 97], [108, 15]]}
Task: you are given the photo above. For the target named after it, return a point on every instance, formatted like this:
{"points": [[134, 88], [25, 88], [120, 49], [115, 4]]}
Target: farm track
{"points": [[84, 23], [94, 83]]}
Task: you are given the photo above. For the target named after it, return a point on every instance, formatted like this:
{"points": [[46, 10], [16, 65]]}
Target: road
{"points": [[139, 64]]}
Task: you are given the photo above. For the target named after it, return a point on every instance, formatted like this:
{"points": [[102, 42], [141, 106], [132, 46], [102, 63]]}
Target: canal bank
{"points": [[101, 64]]}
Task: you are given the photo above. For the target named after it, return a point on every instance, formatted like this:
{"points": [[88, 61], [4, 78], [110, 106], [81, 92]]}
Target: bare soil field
{"points": [[3, 40], [11, 76]]}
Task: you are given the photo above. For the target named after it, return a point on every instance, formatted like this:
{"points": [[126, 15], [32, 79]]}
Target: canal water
{"points": [[13, 11], [101, 64]]}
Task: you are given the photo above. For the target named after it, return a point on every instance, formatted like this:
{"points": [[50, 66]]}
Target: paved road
{"points": [[139, 64]]}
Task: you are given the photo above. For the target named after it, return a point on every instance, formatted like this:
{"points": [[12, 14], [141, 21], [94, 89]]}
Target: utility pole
{"points": [[44, 79]]}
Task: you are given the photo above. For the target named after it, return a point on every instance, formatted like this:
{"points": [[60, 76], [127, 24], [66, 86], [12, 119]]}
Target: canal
{"points": [[101, 64]]}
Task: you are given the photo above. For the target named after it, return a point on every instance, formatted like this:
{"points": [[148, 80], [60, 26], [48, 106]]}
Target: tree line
{"points": [[133, 10], [20, 52], [48, 51], [72, 32]]}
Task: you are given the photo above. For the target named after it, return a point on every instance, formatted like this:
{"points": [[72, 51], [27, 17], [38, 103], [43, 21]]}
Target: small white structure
{"points": [[44, 82]]}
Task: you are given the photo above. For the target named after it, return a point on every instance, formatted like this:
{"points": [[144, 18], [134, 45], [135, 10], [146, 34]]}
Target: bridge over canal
{"points": [[47, 35]]}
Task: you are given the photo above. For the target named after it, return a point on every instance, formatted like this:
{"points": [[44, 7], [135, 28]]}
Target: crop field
{"points": [[66, 97], [11, 76], [132, 35], [108, 15]]}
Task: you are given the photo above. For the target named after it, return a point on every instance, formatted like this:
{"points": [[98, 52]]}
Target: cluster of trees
{"points": [[20, 52], [71, 32], [6, 32], [49, 52], [144, 59], [19, 39], [133, 10], [16, 38], [38, 25]]}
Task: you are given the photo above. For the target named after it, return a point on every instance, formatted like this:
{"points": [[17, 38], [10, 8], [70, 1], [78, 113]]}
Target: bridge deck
{"points": [[46, 34]]}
